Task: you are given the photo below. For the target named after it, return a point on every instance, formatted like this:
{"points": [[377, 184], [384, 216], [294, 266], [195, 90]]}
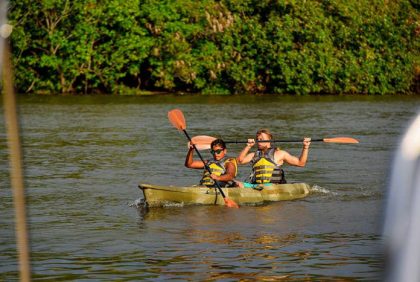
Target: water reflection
{"points": [[219, 243]]}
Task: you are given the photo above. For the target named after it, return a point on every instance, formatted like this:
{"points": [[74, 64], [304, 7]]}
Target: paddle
{"points": [[200, 147], [203, 142], [176, 117]]}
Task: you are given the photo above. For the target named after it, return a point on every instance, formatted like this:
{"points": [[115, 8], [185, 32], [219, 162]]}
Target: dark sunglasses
{"points": [[216, 151]]}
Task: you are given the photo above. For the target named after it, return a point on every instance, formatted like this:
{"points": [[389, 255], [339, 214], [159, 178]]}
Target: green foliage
{"points": [[216, 47]]}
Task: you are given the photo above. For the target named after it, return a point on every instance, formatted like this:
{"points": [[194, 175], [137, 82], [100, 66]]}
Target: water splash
{"points": [[138, 203], [322, 190], [141, 204]]}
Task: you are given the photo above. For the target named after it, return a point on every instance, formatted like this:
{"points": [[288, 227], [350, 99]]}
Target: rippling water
{"points": [[84, 157]]}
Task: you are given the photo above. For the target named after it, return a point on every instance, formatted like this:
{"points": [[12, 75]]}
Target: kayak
{"points": [[158, 196]]}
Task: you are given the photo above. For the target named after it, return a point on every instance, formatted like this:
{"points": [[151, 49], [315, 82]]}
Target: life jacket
{"points": [[265, 169], [218, 168]]}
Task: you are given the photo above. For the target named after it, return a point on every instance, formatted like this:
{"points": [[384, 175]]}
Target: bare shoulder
{"points": [[280, 153], [231, 160]]}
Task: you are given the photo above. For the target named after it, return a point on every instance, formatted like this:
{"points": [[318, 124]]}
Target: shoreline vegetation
{"points": [[209, 47]]}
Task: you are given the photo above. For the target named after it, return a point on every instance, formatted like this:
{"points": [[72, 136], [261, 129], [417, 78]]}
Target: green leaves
{"points": [[216, 47]]}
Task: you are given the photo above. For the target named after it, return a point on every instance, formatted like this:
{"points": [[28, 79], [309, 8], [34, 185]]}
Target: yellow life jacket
{"points": [[218, 168], [265, 169]]}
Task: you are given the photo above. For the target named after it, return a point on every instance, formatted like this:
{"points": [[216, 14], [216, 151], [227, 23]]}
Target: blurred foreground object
{"points": [[15, 156], [402, 217], [6, 30]]}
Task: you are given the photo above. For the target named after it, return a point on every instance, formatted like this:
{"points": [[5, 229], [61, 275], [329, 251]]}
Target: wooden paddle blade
{"points": [[348, 140], [176, 117], [230, 203], [202, 140], [200, 147]]}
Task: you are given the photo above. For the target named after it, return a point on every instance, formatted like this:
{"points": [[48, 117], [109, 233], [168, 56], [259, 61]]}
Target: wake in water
{"points": [[320, 190], [141, 204], [346, 193]]}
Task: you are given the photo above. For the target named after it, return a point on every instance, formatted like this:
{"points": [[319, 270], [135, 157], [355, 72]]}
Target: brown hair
{"points": [[266, 131], [219, 142]]}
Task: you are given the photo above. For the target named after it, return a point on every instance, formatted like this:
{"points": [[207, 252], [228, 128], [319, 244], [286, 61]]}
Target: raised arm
{"points": [[292, 160], [245, 157], [190, 162]]}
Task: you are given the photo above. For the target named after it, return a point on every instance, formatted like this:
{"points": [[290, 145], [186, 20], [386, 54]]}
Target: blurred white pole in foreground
{"points": [[402, 217], [15, 155], [5, 29]]}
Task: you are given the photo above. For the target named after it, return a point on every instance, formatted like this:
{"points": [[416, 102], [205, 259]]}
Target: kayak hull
{"points": [[158, 196]]}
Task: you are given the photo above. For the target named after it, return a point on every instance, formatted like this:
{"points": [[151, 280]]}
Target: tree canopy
{"points": [[216, 47]]}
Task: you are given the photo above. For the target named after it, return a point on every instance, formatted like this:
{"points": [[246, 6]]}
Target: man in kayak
{"points": [[267, 160], [223, 169]]}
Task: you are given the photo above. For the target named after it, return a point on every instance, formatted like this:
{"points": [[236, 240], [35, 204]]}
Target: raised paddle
{"points": [[200, 147], [176, 117], [203, 142]]}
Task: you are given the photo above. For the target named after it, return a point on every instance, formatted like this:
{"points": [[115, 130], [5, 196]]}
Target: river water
{"points": [[84, 157]]}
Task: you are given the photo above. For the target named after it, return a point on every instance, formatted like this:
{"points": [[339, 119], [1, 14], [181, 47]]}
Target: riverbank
{"points": [[146, 93]]}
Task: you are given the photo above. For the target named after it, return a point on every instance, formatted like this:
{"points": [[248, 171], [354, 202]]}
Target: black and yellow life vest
{"points": [[265, 169], [218, 168]]}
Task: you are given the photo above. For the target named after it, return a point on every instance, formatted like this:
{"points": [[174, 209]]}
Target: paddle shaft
{"points": [[205, 164], [273, 141]]}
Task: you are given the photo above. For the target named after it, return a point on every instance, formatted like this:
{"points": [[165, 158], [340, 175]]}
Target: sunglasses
{"points": [[216, 151]]}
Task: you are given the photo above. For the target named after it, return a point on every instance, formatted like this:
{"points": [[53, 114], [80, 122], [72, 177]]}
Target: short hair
{"points": [[219, 142], [266, 131]]}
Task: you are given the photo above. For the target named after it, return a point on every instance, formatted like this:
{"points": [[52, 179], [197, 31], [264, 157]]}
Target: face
{"points": [[218, 152], [263, 145]]}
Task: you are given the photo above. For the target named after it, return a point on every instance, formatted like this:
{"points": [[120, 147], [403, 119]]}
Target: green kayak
{"points": [[157, 196]]}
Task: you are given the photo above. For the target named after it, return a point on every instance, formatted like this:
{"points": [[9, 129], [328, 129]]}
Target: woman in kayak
{"points": [[223, 169], [267, 160]]}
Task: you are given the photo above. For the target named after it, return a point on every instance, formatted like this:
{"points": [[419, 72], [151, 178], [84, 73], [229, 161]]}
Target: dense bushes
{"points": [[216, 47]]}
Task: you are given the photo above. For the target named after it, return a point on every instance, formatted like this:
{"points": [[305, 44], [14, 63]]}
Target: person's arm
{"points": [[229, 175], [301, 161], [244, 157], [190, 162]]}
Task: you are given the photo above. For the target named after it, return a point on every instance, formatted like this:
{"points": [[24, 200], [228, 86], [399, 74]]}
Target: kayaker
{"points": [[267, 160], [223, 169]]}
